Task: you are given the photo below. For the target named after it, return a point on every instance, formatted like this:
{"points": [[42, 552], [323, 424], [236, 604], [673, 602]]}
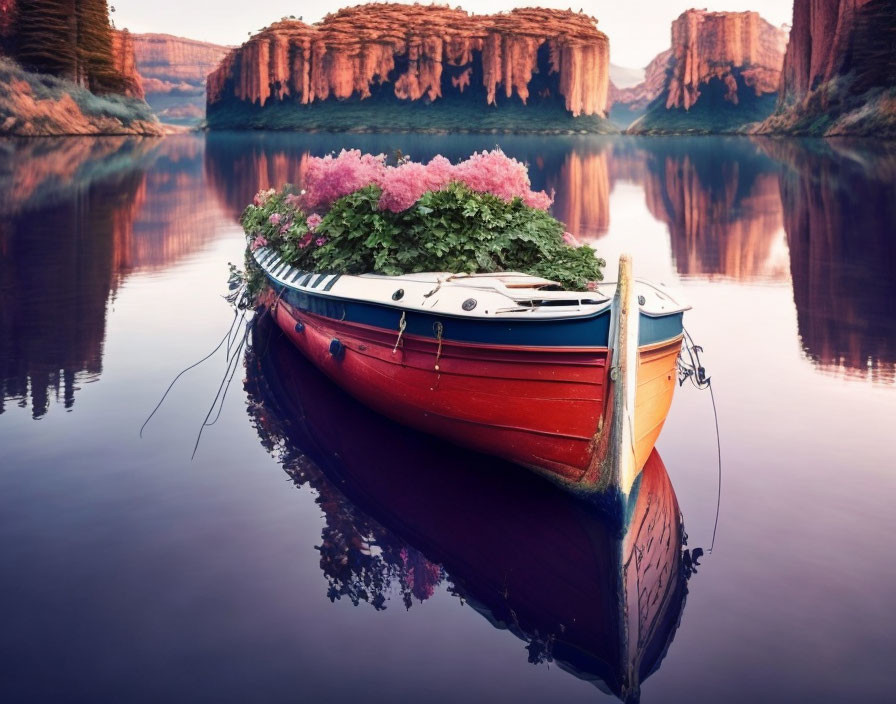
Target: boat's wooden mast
{"points": [[618, 468]]}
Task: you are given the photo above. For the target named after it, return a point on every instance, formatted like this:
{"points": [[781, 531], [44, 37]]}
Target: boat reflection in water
{"points": [[405, 513]]}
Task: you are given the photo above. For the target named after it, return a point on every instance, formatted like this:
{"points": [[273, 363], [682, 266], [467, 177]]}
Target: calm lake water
{"points": [[315, 552]]}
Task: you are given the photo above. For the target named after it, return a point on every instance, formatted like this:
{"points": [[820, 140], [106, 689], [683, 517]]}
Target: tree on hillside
{"points": [[45, 37], [95, 47]]}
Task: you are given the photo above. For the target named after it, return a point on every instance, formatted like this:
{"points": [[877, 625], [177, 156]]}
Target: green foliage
{"points": [[95, 47], [711, 114], [454, 229], [45, 37], [70, 39], [451, 113]]}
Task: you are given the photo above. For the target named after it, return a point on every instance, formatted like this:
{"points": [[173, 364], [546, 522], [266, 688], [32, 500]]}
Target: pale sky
{"points": [[638, 29]]}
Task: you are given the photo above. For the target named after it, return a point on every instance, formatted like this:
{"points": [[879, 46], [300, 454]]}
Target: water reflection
{"points": [[839, 201], [720, 201], [405, 514], [76, 216]]}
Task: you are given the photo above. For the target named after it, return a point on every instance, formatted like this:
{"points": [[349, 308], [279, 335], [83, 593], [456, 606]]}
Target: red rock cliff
{"points": [[126, 63], [171, 64], [708, 45], [420, 50], [639, 96], [819, 42]]}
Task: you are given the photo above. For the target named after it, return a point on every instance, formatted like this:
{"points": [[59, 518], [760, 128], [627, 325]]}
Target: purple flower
{"points": [[305, 241], [320, 241]]}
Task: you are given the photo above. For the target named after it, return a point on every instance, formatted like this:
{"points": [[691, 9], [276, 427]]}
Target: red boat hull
{"points": [[539, 408]]}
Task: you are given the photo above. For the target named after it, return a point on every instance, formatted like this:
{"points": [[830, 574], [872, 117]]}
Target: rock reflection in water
{"points": [[839, 200], [721, 206], [76, 216], [405, 513]]}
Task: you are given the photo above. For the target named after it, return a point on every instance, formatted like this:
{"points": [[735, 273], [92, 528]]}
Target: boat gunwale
{"points": [[602, 308]]}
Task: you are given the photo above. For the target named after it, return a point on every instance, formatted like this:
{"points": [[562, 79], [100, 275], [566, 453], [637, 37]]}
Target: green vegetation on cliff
{"points": [[70, 39], [37, 104], [711, 114], [387, 114]]}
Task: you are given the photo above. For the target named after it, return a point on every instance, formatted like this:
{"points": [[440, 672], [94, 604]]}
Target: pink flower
{"points": [[274, 219], [305, 241], [496, 173], [592, 285], [320, 241], [258, 242], [403, 185], [313, 221], [571, 240], [329, 178]]}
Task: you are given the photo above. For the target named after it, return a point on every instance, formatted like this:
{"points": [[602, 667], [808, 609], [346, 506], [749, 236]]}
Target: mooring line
{"points": [[192, 366], [715, 414]]}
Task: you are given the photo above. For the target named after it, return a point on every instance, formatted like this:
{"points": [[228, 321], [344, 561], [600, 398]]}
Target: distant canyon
{"points": [[431, 68]]}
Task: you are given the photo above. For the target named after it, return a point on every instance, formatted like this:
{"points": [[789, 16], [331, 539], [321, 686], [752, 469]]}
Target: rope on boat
{"points": [[692, 369], [439, 329], [402, 324]]}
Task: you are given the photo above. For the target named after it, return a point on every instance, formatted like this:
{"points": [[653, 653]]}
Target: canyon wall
{"points": [[171, 64], [125, 63], [639, 96], [821, 38], [722, 72], [839, 75], [422, 53], [174, 70], [707, 45]]}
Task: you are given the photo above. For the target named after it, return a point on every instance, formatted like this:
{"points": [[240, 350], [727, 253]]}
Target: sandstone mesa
{"points": [[421, 52]]}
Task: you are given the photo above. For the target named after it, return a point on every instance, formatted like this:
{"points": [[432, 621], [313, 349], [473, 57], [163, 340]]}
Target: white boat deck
{"points": [[509, 295]]}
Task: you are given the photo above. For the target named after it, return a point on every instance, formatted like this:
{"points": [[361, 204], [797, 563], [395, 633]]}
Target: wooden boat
{"points": [[601, 600], [573, 385]]}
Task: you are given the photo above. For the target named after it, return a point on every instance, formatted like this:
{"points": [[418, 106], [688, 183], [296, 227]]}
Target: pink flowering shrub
{"points": [[358, 214], [331, 177]]}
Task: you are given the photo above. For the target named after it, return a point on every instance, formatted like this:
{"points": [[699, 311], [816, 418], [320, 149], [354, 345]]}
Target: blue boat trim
{"points": [[589, 330], [653, 329]]}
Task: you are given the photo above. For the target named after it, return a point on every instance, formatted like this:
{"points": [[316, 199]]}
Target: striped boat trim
{"points": [[301, 290]]}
